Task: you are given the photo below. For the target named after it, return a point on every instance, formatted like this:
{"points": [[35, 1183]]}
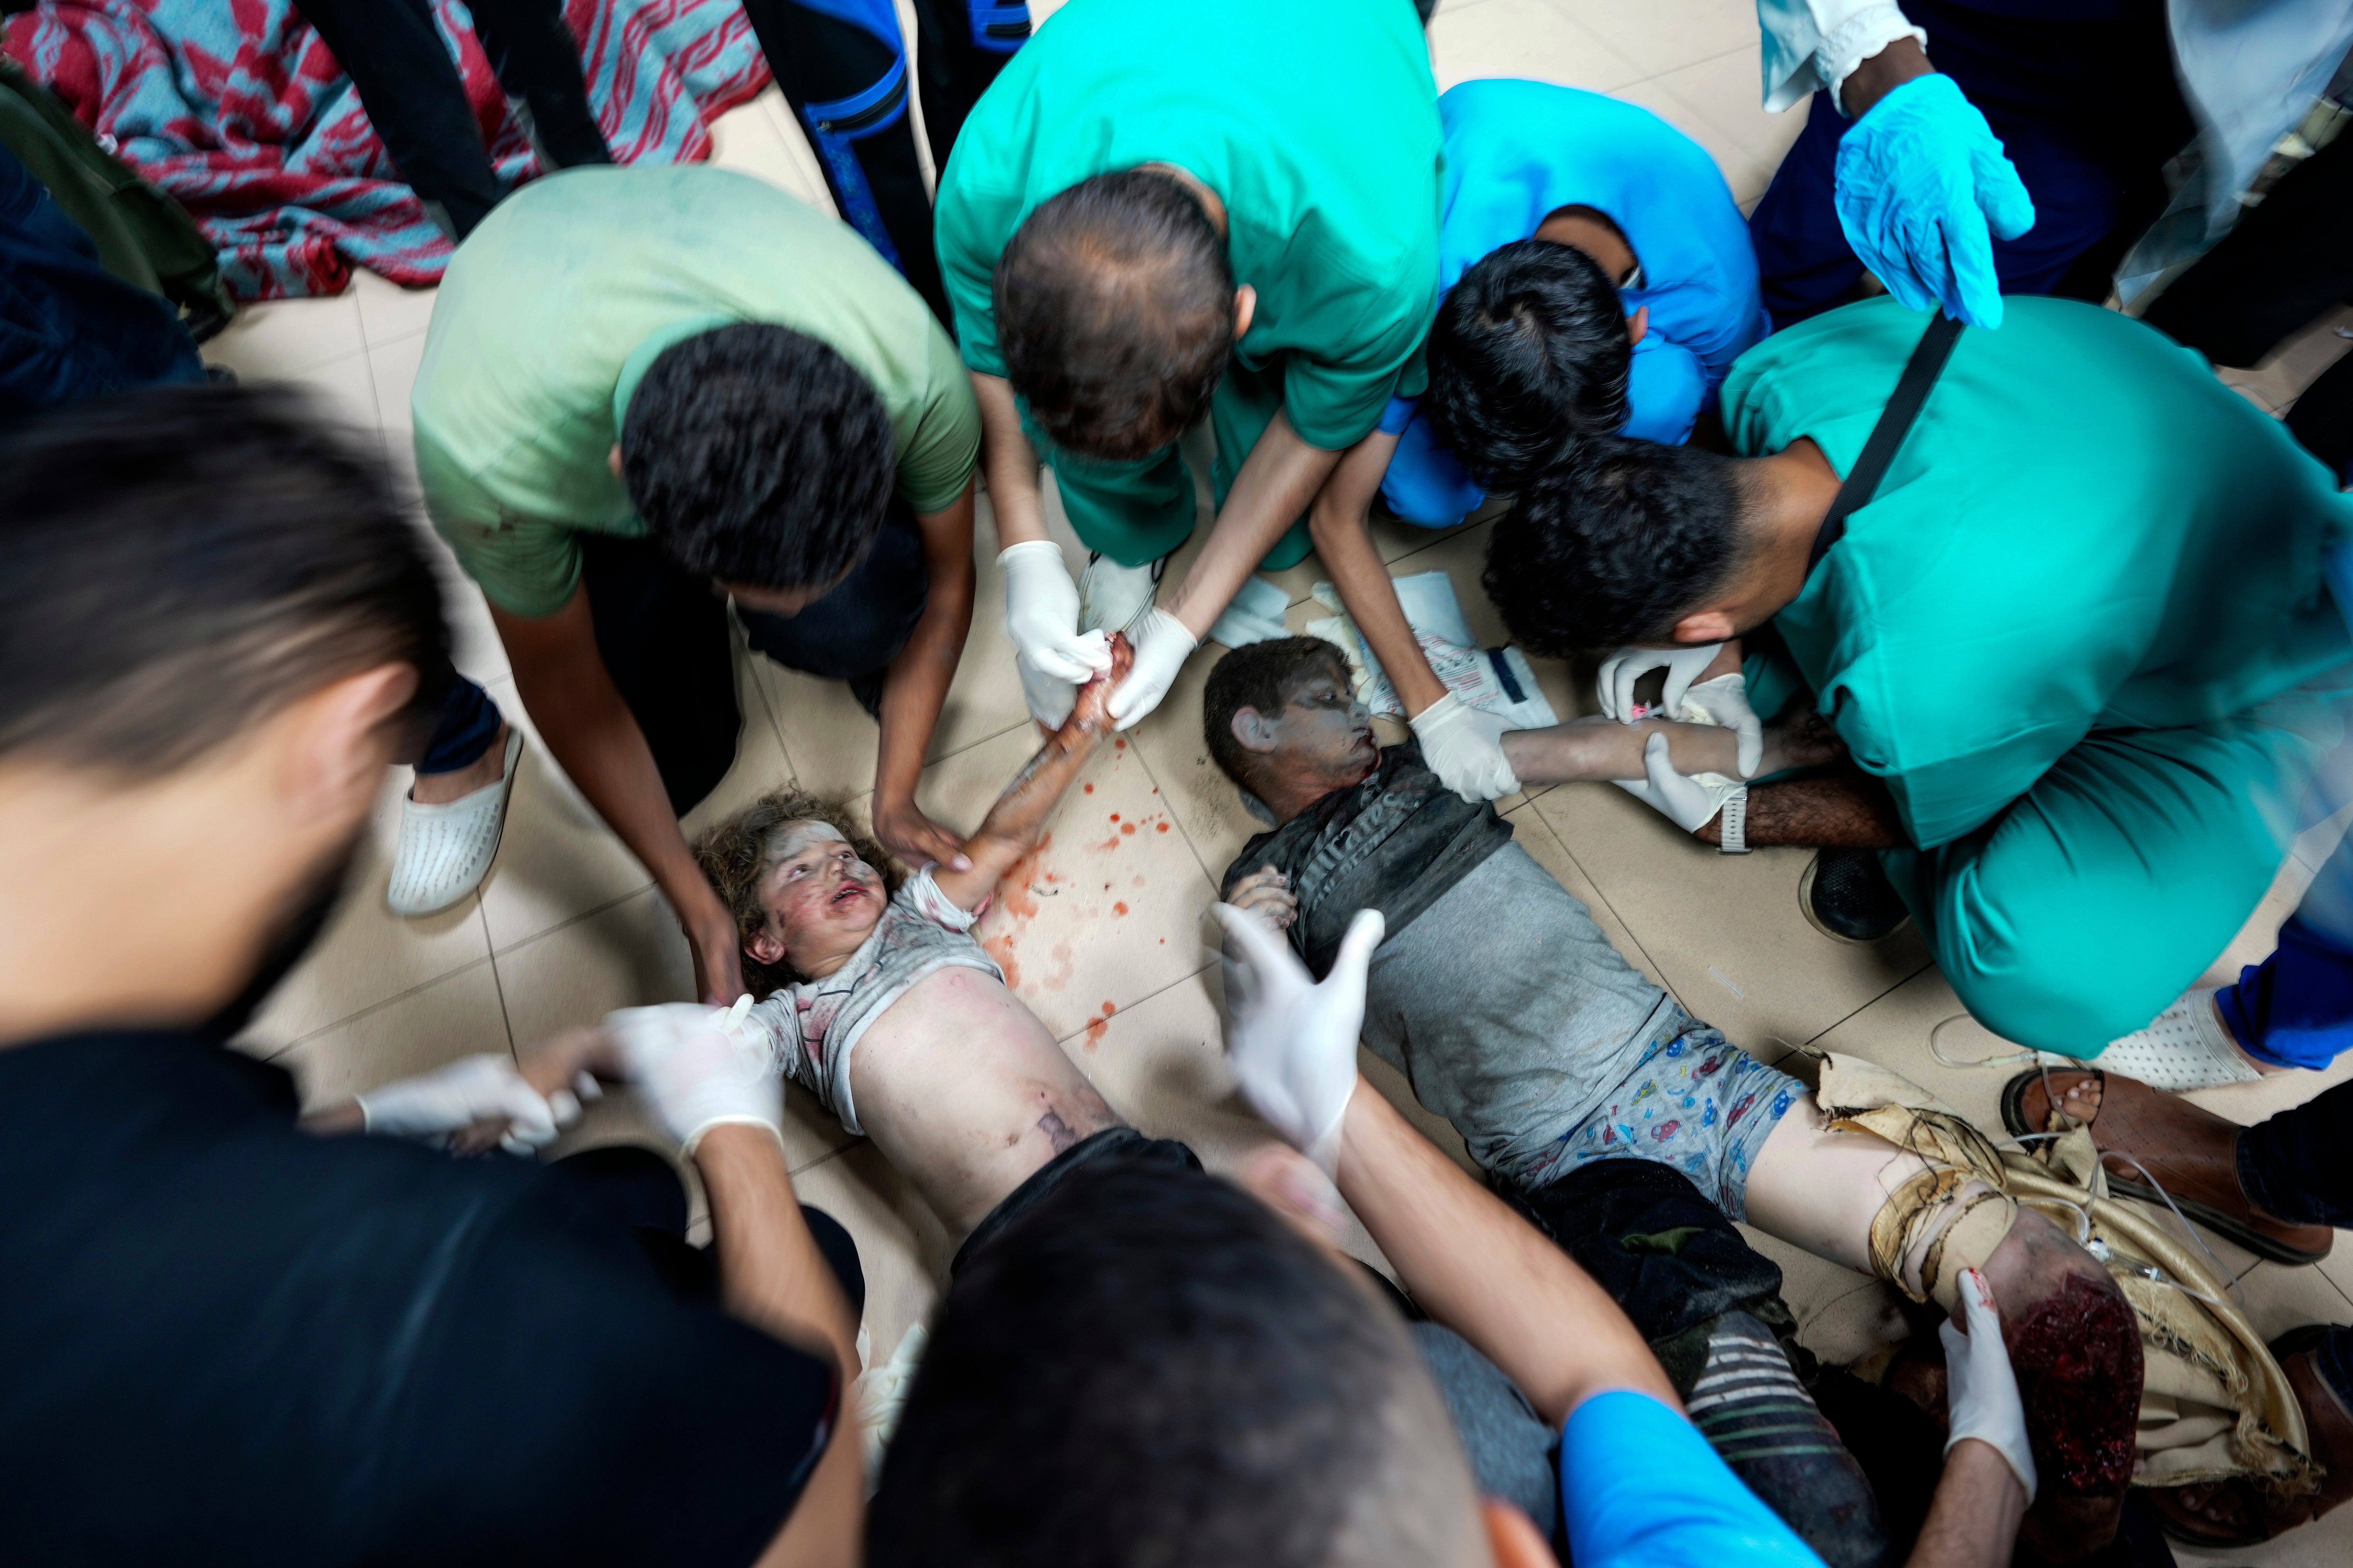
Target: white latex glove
{"points": [[1726, 700], [1686, 803], [1463, 746], [1615, 686], [1980, 1391], [1292, 1042], [1161, 650], [1041, 613], [433, 1106], [1048, 698], [700, 1068]]}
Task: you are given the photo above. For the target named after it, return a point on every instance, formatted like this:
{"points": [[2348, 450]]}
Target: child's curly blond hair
{"points": [[737, 855]]}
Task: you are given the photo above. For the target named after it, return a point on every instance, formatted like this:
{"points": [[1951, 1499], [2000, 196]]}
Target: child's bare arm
{"points": [[1012, 824], [1596, 747]]}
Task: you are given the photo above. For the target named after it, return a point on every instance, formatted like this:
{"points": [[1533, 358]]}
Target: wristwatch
{"points": [[1733, 823]]}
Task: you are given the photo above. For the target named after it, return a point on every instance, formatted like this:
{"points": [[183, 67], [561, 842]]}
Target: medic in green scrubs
{"points": [[2078, 644], [1312, 151]]}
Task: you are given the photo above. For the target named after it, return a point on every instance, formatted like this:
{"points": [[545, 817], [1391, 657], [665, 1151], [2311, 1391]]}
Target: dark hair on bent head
{"points": [[1115, 313], [1529, 354], [1150, 1370], [177, 565], [757, 455], [1615, 543], [735, 856], [1262, 675]]}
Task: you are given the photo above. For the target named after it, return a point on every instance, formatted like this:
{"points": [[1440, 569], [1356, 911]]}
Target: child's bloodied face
{"points": [[1322, 736], [821, 899]]}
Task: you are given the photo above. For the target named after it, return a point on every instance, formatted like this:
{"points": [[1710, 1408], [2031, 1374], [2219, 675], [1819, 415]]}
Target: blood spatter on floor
{"points": [[1119, 909], [1096, 1030], [1162, 829], [1089, 788], [1127, 827], [1108, 1008]]}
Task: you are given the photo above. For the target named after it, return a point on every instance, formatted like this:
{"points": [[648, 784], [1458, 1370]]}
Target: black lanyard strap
{"points": [[1920, 372]]}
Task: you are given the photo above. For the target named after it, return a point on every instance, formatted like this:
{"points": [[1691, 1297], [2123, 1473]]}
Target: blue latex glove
{"points": [[1921, 179]]}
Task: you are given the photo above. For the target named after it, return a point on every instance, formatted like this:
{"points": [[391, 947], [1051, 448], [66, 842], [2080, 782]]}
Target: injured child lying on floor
{"points": [[1513, 1017]]}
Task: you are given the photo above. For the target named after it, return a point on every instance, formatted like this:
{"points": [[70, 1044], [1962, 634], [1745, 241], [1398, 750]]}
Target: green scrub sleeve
{"points": [[1334, 403], [972, 231], [944, 450], [524, 565]]}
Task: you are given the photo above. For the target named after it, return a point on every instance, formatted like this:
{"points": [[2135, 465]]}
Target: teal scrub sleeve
{"points": [[1639, 1488]]}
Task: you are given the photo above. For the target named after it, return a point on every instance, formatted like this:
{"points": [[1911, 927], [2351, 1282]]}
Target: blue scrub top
{"points": [[1639, 1488], [1517, 151]]}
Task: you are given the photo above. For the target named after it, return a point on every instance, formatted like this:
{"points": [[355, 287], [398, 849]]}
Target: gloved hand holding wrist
{"points": [[1923, 190], [1625, 668], [1042, 616], [700, 1068], [1291, 1041], [435, 1106], [1688, 802], [1725, 699], [1463, 746], [1981, 1390], [1162, 647]]}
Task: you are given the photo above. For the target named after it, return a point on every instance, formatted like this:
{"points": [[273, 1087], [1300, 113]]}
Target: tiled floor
{"points": [[1107, 939]]}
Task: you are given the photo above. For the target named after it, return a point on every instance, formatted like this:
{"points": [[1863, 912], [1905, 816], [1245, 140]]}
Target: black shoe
{"points": [[867, 689], [1847, 896]]}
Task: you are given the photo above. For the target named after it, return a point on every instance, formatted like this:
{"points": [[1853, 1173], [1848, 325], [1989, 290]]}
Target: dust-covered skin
{"points": [[959, 1084], [967, 1094]]}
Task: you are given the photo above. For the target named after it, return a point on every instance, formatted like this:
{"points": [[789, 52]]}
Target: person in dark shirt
{"points": [[224, 1337]]}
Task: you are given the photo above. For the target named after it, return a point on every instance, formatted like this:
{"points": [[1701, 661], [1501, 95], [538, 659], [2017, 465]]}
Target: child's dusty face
{"points": [[1323, 733], [821, 899]]}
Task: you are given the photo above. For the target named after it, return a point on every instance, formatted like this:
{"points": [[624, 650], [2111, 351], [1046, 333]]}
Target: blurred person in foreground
{"points": [[230, 1336]]}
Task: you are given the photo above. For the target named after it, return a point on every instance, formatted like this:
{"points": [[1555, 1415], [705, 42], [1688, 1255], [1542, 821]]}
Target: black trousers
{"points": [[417, 102], [662, 632], [2288, 260], [842, 65], [636, 1189]]}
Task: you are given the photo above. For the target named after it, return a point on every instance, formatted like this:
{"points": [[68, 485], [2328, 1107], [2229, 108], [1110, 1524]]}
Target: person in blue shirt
{"points": [[1597, 279]]}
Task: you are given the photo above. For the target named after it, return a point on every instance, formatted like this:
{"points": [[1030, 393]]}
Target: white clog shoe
{"points": [[445, 850]]}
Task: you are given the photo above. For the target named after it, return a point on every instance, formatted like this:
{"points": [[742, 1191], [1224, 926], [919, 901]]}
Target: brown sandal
{"points": [[2189, 1149], [2254, 1517]]}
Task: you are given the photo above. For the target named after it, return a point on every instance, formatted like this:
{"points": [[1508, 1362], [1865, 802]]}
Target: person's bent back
{"points": [[225, 1338]]}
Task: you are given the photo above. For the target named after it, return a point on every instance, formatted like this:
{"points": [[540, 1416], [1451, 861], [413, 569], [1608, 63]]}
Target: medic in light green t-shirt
{"points": [[1146, 219], [2078, 645], [647, 390]]}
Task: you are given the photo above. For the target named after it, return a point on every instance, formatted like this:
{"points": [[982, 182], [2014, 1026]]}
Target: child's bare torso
{"points": [[968, 1094]]}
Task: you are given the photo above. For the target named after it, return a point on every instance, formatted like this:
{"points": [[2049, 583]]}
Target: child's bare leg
{"points": [[1824, 1190]]}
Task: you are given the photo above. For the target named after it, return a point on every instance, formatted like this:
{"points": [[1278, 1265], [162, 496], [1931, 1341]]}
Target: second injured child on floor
{"points": [[1512, 1015]]}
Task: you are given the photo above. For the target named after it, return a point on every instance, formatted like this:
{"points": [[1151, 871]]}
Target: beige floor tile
{"points": [[1725, 88], [1908, 1027], [387, 310], [984, 699], [368, 954], [760, 762], [281, 338], [629, 955], [1108, 909], [1667, 35], [1745, 171], [758, 138], [393, 368], [558, 859], [343, 390], [1523, 39], [902, 1245], [1725, 931], [455, 1016], [828, 738], [1208, 807]]}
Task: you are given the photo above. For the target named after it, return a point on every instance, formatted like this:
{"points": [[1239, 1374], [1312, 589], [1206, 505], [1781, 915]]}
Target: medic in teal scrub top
{"points": [[1518, 151]]}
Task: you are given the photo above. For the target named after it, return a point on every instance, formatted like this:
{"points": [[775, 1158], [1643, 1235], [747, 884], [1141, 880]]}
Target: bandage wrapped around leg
{"points": [[2214, 1401]]}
